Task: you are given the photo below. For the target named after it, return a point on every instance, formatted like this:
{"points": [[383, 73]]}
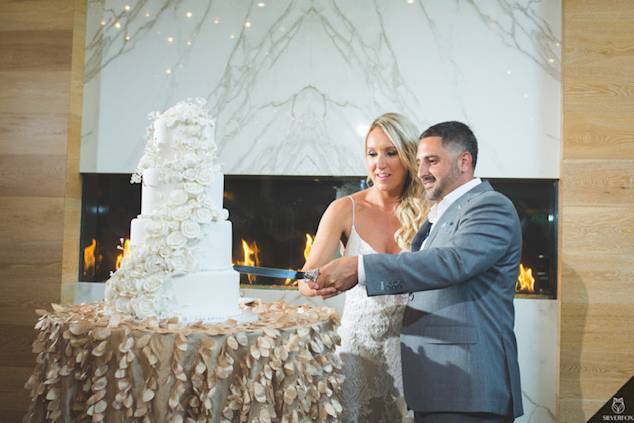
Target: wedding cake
{"points": [[179, 263]]}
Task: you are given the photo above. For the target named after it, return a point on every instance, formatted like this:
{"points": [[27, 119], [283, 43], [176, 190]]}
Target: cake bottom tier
{"points": [[210, 295]]}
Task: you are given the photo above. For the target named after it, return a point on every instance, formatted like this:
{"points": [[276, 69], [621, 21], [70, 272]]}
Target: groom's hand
{"points": [[337, 276]]}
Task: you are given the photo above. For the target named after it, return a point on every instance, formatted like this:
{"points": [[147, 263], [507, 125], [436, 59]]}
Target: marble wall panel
{"points": [[294, 84]]}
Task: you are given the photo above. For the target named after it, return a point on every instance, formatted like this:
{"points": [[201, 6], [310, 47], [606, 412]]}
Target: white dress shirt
{"points": [[435, 213]]}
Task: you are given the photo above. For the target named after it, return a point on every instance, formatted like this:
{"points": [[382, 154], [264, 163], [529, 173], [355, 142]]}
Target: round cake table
{"points": [[281, 367]]}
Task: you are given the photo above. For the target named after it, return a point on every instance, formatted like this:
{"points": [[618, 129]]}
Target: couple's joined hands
{"points": [[335, 277]]}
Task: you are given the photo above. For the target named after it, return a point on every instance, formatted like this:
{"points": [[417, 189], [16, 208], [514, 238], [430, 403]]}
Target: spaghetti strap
{"points": [[353, 207]]}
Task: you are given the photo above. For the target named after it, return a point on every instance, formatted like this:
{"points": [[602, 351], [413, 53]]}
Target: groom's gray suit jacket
{"points": [[458, 347]]}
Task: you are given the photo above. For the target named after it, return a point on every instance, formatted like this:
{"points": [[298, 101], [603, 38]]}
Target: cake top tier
{"points": [[180, 142]]}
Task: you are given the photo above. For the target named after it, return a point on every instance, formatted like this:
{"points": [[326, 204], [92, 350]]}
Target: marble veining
{"points": [[294, 84]]}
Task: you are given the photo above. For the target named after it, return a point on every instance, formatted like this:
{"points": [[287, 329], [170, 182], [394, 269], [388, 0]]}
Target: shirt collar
{"points": [[438, 209]]}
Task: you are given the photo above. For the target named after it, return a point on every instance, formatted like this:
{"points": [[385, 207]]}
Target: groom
{"points": [[458, 348]]}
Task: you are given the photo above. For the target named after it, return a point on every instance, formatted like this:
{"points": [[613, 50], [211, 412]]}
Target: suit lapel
{"points": [[454, 212]]}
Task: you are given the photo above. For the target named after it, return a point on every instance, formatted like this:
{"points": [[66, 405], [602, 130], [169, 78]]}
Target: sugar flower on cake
{"points": [[176, 239], [189, 174], [205, 176], [194, 188], [154, 228], [191, 159], [178, 197], [182, 212], [203, 215], [122, 305], [190, 229], [152, 283], [143, 306], [176, 264], [153, 264]]}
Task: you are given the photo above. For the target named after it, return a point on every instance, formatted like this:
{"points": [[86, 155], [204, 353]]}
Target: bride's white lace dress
{"points": [[370, 350]]}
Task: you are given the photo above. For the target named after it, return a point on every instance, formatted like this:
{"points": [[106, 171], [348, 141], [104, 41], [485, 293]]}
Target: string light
{"points": [[170, 39], [188, 14], [103, 23], [232, 36], [127, 7], [168, 71], [117, 25], [127, 38], [147, 14], [216, 21], [261, 4], [189, 43], [247, 24]]}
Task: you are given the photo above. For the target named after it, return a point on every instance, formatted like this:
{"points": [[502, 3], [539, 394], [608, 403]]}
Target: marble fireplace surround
{"points": [[293, 85]]}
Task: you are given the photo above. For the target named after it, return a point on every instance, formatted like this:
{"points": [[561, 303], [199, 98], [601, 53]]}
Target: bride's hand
{"points": [[328, 293], [305, 290]]}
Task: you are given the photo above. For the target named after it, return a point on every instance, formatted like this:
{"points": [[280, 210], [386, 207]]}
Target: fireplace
{"points": [[275, 219]]}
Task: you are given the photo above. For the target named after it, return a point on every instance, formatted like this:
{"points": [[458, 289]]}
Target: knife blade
{"points": [[271, 272]]}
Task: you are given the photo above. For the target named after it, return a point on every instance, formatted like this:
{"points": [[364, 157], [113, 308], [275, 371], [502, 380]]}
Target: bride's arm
{"points": [[332, 226]]}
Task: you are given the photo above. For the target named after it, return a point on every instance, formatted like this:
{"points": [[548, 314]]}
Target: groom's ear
{"points": [[465, 162]]}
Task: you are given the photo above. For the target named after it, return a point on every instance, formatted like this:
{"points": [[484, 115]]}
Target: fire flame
{"points": [[309, 245], [525, 280], [251, 256], [90, 257], [125, 249]]}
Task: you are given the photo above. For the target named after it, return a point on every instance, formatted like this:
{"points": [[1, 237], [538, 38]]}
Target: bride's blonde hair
{"points": [[412, 208]]}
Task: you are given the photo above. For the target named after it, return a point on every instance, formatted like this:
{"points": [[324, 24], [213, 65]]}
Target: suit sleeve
{"points": [[483, 236]]}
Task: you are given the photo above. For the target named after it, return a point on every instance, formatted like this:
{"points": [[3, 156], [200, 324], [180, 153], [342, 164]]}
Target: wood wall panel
{"points": [[32, 175], [36, 43], [602, 182], [25, 134], [597, 230], [72, 183], [15, 401], [31, 219], [36, 15], [596, 199], [606, 270], [28, 50], [31, 93], [600, 134]]}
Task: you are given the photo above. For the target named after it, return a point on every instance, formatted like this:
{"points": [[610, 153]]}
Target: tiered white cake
{"points": [[179, 262]]}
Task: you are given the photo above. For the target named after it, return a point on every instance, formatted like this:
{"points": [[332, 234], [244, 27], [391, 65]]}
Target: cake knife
{"points": [[272, 272]]}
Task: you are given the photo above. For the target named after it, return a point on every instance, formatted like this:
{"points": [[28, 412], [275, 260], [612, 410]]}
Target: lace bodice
{"points": [[370, 349]]}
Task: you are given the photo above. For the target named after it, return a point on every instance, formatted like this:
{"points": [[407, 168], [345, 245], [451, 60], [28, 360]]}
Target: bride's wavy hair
{"points": [[413, 207]]}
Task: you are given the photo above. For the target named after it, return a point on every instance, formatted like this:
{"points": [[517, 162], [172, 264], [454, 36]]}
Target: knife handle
{"points": [[311, 275]]}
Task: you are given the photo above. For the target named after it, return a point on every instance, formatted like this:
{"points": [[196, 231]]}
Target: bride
{"points": [[381, 219]]}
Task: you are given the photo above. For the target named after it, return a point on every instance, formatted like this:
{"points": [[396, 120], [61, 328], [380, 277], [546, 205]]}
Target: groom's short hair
{"points": [[456, 135]]}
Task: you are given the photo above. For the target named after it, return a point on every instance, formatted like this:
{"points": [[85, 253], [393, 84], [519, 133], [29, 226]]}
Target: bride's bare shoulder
{"points": [[343, 205], [340, 207], [361, 198]]}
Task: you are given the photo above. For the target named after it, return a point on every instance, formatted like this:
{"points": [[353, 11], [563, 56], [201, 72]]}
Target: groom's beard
{"points": [[441, 188]]}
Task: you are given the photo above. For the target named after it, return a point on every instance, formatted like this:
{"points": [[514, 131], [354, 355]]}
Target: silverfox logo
{"points": [[618, 405]]}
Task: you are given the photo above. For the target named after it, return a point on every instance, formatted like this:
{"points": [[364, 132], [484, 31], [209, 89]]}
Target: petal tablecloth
{"points": [[278, 368]]}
